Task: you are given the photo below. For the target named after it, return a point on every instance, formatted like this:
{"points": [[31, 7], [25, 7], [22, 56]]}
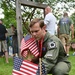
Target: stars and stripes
{"points": [[29, 43], [24, 67], [43, 70], [16, 66], [28, 68]]}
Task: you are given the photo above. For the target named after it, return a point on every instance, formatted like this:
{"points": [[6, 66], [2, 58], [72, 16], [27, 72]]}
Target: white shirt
{"points": [[50, 22]]}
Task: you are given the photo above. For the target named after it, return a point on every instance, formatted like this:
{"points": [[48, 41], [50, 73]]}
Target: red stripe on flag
{"points": [[23, 44], [25, 53], [15, 72], [29, 45], [28, 68]]}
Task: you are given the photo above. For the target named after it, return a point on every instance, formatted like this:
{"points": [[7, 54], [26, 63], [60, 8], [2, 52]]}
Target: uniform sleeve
{"points": [[51, 55], [52, 51]]}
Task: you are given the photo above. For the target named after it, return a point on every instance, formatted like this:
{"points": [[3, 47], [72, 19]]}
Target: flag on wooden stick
{"points": [[29, 43], [28, 67], [24, 67]]}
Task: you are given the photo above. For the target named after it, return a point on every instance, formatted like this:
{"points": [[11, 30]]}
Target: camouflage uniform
{"points": [[54, 56]]}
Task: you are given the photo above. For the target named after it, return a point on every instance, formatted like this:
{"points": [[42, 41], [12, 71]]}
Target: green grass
{"points": [[72, 60], [6, 69]]}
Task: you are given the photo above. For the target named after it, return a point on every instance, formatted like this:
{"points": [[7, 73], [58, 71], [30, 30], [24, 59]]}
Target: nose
{"points": [[34, 33]]}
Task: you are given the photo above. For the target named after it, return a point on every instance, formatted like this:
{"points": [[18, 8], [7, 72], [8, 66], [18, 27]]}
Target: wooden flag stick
{"points": [[40, 55], [40, 63]]}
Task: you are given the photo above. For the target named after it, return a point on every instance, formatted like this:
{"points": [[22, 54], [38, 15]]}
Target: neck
{"points": [[44, 33]]}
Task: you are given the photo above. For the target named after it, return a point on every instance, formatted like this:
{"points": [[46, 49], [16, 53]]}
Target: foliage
{"points": [[28, 13], [60, 6], [9, 13], [73, 18]]}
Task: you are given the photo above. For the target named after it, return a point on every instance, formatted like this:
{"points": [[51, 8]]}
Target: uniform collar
{"points": [[46, 36]]}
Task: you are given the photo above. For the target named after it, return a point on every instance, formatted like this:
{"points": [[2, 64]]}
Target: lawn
{"points": [[6, 69], [72, 60]]}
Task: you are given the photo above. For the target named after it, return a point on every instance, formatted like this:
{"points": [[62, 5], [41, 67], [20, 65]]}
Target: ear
{"points": [[44, 27]]}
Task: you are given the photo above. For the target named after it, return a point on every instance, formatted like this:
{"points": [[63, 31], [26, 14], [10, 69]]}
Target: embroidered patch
{"points": [[43, 48], [52, 44]]}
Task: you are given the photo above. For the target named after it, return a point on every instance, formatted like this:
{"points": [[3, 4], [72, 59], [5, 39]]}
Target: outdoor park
{"points": [[21, 13]]}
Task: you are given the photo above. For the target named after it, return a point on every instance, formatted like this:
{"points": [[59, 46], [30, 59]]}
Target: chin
{"points": [[37, 38]]}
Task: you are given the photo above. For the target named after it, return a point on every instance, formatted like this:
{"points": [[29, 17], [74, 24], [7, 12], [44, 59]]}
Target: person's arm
{"points": [[50, 58], [72, 30], [58, 31], [6, 32], [47, 20], [58, 28]]}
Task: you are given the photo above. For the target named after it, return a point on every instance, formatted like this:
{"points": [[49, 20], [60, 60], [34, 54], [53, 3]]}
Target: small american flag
{"points": [[28, 68], [17, 63], [24, 67], [29, 43], [43, 71]]}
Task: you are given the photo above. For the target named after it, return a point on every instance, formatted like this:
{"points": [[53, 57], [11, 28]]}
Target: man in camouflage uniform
{"points": [[53, 53]]}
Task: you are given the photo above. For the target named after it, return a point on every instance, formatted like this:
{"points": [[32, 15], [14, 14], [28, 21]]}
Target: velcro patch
{"points": [[52, 45]]}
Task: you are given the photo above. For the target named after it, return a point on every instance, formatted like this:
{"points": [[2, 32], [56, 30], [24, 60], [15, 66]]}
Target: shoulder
{"points": [[60, 21], [48, 15], [53, 42], [52, 37], [2, 26]]}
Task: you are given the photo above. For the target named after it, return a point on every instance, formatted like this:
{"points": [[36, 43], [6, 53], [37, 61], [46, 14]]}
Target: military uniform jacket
{"points": [[53, 51]]}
